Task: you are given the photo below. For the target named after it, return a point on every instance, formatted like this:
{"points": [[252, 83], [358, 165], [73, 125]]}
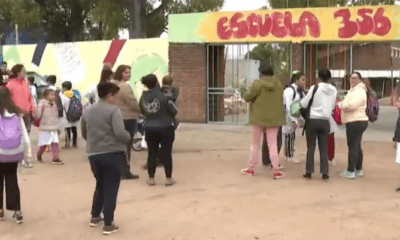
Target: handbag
{"points": [[337, 115]]}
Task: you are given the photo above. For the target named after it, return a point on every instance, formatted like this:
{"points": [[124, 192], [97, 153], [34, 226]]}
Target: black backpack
{"points": [[59, 104]]}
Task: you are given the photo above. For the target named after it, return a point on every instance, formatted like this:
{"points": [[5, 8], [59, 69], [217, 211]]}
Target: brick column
{"points": [[297, 56], [188, 67]]}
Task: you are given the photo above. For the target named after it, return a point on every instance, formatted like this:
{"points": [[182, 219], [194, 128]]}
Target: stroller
{"points": [[139, 142]]}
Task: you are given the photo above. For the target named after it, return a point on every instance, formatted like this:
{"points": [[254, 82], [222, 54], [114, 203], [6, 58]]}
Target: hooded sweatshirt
{"points": [[157, 109], [266, 102], [324, 101], [354, 105]]}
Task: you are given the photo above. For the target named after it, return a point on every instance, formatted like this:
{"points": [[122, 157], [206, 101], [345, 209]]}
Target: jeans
{"points": [[68, 132], [107, 169], [354, 133], [154, 137], [8, 176], [255, 152], [317, 128], [265, 150]]}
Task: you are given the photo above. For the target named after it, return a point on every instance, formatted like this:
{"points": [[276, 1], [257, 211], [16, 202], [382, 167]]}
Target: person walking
{"points": [[103, 129], [266, 115], [71, 130], [160, 113], [319, 102], [293, 93], [47, 113], [21, 96], [14, 139], [355, 117], [33, 90], [128, 104]]}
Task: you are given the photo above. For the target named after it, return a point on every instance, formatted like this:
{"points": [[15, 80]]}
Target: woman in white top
{"points": [[318, 125], [106, 76]]}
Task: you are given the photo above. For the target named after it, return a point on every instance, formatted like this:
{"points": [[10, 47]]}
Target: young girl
{"points": [[13, 138], [47, 112]]}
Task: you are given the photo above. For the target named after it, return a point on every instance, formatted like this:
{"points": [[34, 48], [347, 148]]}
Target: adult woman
{"points": [[103, 128], [159, 113], [21, 96], [318, 122], [355, 117], [266, 116], [130, 110]]}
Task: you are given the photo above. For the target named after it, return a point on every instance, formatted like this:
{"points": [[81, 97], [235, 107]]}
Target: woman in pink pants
{"points": [[266, 116]]}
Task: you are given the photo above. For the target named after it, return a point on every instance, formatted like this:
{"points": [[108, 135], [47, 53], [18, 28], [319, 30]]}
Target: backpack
{"points": [[75, 110], [295, 107], [77, 94], [59, 104], [11, 145], [372, 108]]}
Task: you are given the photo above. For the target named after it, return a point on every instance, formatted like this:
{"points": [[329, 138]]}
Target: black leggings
{"points": [[354, 132], [8, 177], [68, 135], [154, 137]]}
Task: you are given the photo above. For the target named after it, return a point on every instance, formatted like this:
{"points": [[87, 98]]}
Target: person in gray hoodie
{"points": [[103, 129], [160, 113], [319, 112]]}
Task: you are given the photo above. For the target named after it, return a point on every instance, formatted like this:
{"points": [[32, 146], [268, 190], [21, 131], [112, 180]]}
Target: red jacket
{"points": [[20, 94]]}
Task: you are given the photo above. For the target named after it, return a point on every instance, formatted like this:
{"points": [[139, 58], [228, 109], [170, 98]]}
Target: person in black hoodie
{"points": [[160, 113]]}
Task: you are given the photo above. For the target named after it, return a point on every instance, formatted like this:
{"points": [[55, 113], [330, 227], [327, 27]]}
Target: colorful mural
{"points": [[82, 62], [367, 23]]}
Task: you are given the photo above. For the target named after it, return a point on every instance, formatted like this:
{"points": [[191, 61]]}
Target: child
{"points": [[171, 92], [13, 139], [70, 127], [48, 114], [33, 89]]}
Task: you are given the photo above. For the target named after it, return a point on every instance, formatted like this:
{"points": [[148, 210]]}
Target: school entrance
{"points": [[214, 55]]}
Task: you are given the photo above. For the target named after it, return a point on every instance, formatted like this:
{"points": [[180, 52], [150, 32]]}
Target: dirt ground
{"points": [[212, 200]]}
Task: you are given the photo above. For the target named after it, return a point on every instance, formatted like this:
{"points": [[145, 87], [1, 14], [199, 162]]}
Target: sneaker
{"points": [[280, 167], [348, 175], [1, 214], [359, 173], [151, 182], [293, 160], [58, 162], [39, 158], [397, 190], [307, 175], [107, 230], [94, 222], [248, 172], [332, 162], [325, 176], [278, 175], [26, 164], [169, 182], [129, 176], [17, 217], [75, 146]]}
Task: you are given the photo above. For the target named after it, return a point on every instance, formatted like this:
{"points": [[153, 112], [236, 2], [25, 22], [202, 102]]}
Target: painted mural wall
{"points": [[82, 62]]}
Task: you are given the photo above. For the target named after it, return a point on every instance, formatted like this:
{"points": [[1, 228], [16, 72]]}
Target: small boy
{"points": [[33, 89], [171, 92]]}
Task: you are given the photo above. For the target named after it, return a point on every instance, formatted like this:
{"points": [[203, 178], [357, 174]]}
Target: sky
{"points": [[243, 5]]}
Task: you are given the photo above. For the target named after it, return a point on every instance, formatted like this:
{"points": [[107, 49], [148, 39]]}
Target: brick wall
{"points": [[297, 61], [188, 67]]}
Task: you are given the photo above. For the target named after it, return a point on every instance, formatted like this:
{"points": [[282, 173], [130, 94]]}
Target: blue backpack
{"points": [[75, 110]]}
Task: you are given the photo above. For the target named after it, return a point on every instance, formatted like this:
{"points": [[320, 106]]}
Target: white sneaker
{"points": [[359, 173], [333, 162], [293, 160]]}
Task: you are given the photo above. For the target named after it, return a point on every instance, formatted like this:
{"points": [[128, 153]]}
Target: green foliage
{"points": [[324, 3]]}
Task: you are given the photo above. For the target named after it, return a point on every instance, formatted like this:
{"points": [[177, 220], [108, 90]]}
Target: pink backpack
{"points": [[11, 145]]}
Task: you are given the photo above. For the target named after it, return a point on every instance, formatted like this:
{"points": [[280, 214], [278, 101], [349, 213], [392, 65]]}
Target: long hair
{"points": [[120, 70], [16, 70], [106, 73], [6, 103]]}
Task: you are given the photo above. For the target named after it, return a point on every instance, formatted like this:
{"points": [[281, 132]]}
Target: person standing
{"points": [[69, 127], [160, 113], [293, 93], [33, 90], [14, 139], [128, 104], [355, 117], [106, 76], [266, 116], [320, 101], [4, 74], [21, 96], [103, 129], [396, 138], [49, 125]]}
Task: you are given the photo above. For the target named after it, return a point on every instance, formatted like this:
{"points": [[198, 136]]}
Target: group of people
{"points": [[276, 111], [108, 124]]}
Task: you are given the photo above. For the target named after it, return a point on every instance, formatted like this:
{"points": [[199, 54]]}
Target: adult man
{"points": [[294, 92]]}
